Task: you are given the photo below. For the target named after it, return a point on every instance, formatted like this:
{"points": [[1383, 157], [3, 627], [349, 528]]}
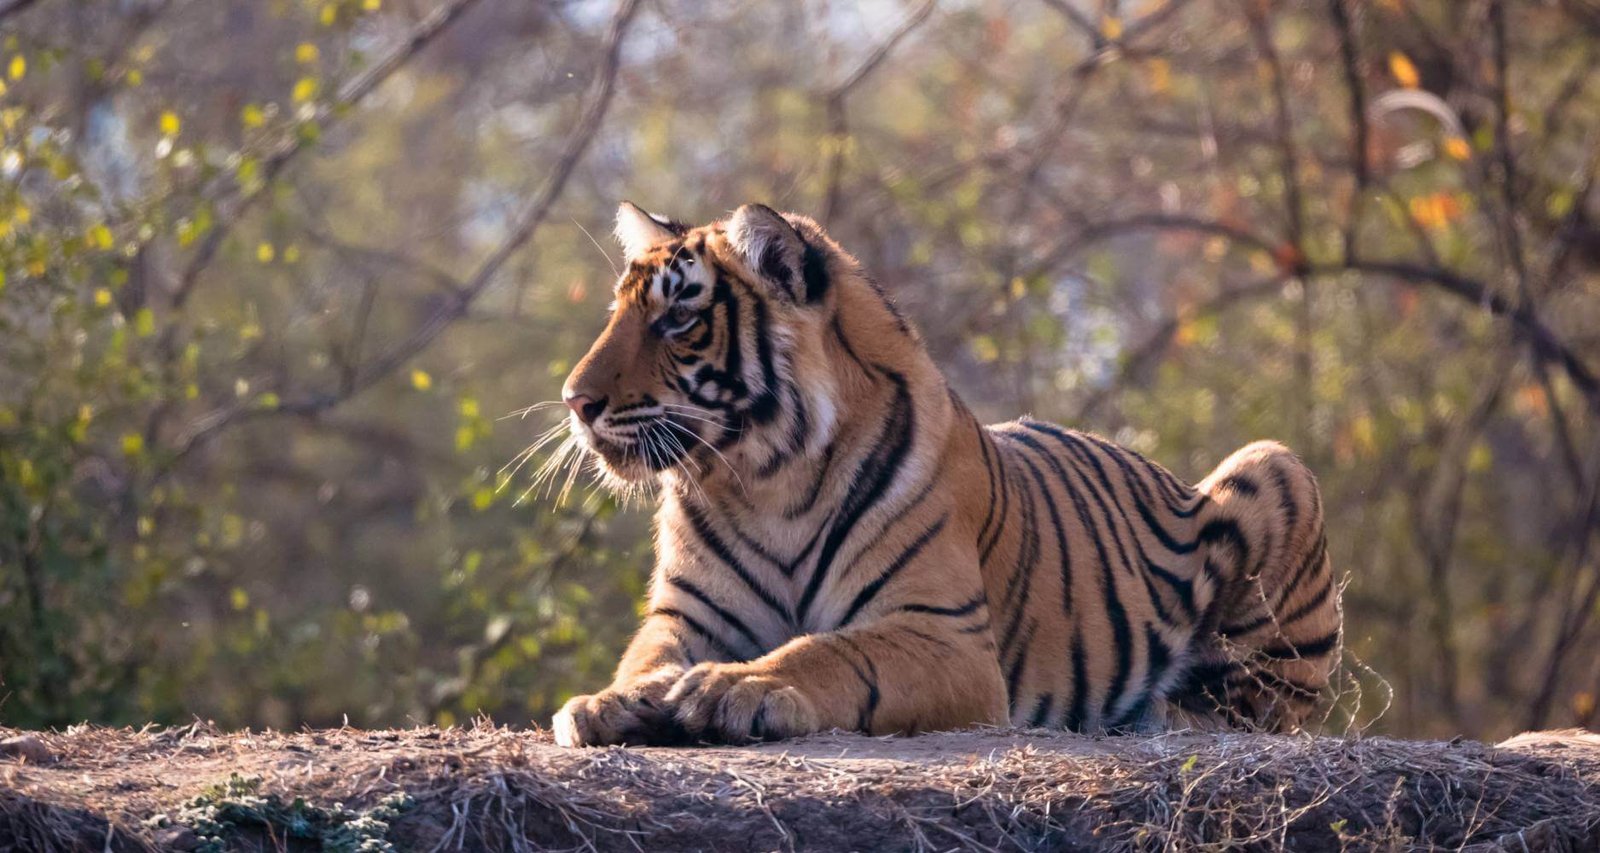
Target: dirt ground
{"points": [[492, 788]]}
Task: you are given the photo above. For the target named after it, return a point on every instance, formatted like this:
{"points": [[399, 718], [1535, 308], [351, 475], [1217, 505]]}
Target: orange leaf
{"points": [[1404, 72]]}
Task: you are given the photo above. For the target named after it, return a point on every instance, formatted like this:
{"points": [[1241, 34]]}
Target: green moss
{"points": [[237, 805]]}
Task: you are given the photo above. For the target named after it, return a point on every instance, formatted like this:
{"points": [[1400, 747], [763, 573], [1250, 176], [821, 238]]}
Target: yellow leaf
{"points": [[100, 236], [329, 15], [18, 67], [305, 89], [135, 77], [468, 407], [252, 116], [1111, 27], [291, 254], [482, 499], [1160, 75], [1458, 148], [420, 380], [265, 252], [371, 5], [144, 323], [132, 444], [170, 125], [306, 52], [1404, 72], [239, 598], [102, 297], [985, 349]]}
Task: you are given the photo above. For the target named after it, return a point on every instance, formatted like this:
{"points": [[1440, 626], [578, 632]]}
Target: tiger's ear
{"points": [[638, 230], [771, 247]]}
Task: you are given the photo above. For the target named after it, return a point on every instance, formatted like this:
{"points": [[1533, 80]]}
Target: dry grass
{"points": [[494, 788]]}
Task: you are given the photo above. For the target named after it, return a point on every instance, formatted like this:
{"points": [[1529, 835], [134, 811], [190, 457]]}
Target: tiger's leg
{"points": [[1272, 636], [908, 646], [892, 675], [631, 709]]}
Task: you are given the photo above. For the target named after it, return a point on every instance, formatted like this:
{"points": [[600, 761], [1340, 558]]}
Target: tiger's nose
{"points": [[587, 408]]}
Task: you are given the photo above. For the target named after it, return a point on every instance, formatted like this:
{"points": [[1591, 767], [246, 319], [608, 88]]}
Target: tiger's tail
{"points": [[1271, 637]]}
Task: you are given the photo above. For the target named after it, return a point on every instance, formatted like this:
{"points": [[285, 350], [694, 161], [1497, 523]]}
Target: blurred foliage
{"points": [[220, 497]]}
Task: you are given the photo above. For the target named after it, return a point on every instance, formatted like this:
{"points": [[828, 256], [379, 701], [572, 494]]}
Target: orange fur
{"points": [[841, 544]]}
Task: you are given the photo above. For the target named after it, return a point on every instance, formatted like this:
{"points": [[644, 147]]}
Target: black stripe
{"points": [[702, 529], [1062, 551], [878, 470], [1253, 624], [1309, 649], [814, 269], [799, 429], [871, 590], [1167, 540], [1013, 602], [723, 613], [869, 678], [747, 540], [1310, 605], [701, 631], [1314, 560], [1019, 663], [844, 342], [988, 471], [969, 607], [1183, 589], [764, 409], [809, 498], [925, 637], [1237, 483], [1076, 717], [1291, 511], [1158, 659], [1219, 529], [1041, 710], [1174, 492], [1116, 614], [1005, 498]]}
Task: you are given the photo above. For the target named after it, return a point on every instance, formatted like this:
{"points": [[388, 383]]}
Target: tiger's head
{"points": [[711, 361]]}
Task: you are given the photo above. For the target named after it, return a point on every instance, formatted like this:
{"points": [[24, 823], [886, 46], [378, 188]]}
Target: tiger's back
{"points": [[1123, 597]]}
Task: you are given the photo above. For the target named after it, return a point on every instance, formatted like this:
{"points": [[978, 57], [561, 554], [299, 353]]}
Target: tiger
{"points": [[841, 544]]}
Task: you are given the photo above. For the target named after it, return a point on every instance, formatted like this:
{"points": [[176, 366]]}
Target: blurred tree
{"points": [[274, 270]]}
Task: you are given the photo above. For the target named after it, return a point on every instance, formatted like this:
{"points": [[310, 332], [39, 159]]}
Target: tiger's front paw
{"points": [[737, 703], [622, 714]]}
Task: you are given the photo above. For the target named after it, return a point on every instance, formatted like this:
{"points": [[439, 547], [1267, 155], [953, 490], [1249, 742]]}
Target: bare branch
{"points": [[231, 208], [528, 221], [1139, 358], [1283, 126], [1544, 342], [838, 125], [1360, 131], [1078, 20], [13, 7]]}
